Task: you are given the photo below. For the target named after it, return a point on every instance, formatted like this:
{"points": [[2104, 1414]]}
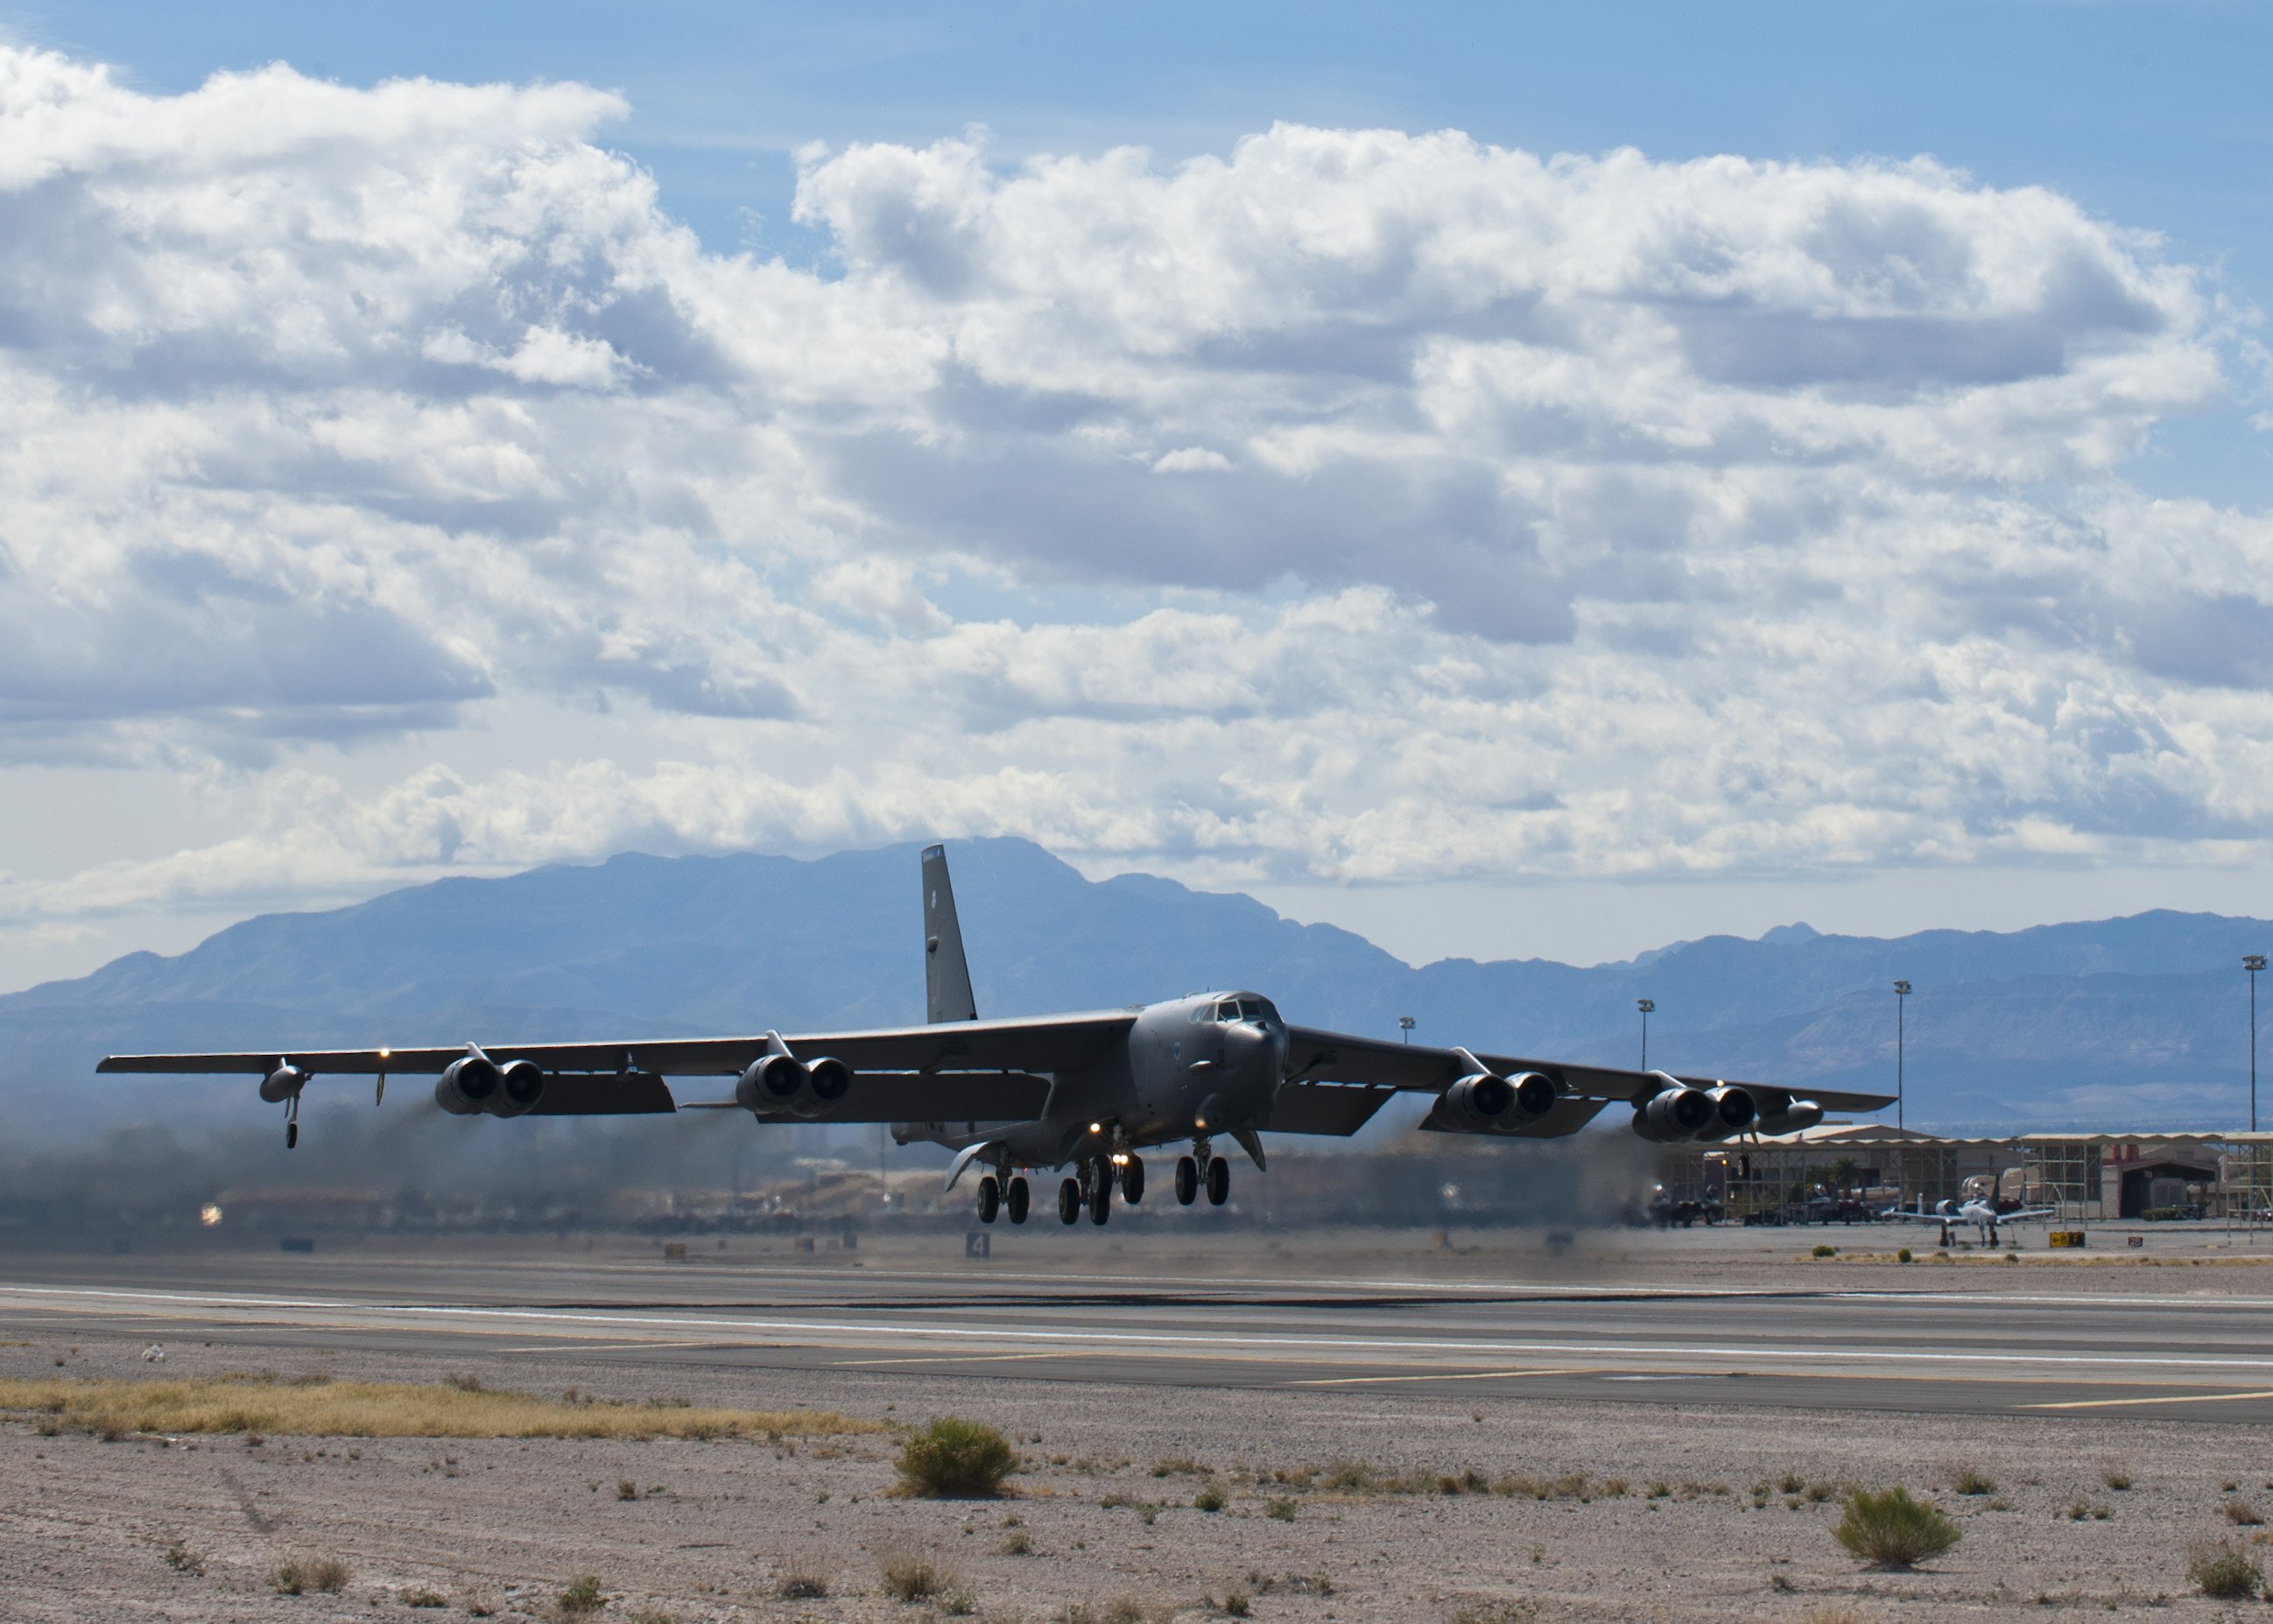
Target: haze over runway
{"points": [[1955, 1340]]}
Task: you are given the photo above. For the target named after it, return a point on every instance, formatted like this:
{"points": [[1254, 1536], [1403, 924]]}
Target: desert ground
{"points": [[1373, 1497]]}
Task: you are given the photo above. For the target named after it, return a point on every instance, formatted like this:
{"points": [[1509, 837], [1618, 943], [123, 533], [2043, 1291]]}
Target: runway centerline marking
{"points": [[1473, 1348]]}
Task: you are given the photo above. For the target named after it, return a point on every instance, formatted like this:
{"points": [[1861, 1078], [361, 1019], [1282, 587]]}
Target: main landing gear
{"points": [[1092, 1188], [993, 1196], [1188, 1177]]}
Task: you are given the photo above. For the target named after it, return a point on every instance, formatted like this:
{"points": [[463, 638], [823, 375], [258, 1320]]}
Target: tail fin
{"points": [[947, 976]]}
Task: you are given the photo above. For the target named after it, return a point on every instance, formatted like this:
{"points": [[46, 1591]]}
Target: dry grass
{"points": [[302, 1574], [386, 1410], [910, 1576], [2242, 1514]]}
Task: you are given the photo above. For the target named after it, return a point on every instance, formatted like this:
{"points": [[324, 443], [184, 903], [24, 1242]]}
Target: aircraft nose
{"points": [[1255, 1044]]}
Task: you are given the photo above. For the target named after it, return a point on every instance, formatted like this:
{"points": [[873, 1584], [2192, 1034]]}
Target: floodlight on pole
{"points": [[1645, 1005], [1901, 996], [2252, 963], [1405, 1024]]}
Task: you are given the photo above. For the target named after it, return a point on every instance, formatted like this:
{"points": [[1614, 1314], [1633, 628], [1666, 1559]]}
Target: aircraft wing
{"points": [[961, 1069], [1315, 1056]]}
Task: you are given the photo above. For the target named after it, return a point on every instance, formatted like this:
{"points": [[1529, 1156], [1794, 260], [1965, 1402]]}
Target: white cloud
{"points": [[1354, 505]]}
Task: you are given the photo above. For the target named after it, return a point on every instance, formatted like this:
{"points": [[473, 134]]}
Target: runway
{"points": [[2020, 1351]]}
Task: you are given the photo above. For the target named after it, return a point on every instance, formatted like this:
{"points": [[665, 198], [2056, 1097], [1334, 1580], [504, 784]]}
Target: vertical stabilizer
{"points": [[947, 976]]}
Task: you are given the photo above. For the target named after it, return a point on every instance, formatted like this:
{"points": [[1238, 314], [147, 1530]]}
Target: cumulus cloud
{"points": [[1353, 504]]}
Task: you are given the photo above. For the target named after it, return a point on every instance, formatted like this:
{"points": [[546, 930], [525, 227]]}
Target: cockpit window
{"points": [[1228, 1011], [1262, 1009]]}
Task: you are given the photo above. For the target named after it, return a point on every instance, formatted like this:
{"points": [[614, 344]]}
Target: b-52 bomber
{"points": [[1081, 1095]]}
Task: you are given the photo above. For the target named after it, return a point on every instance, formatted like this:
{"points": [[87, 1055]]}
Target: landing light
{"points": [[1097, 1128], [1121, 1158], [209, 1214]]}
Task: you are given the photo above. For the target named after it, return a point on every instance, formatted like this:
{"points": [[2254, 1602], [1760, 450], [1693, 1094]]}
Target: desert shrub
{"points": [[1892, 1529], [1017, 1542], [802, 1579], [1237, 1604], [580, 1597], [1972, 1480], [182, 1558], [2115, 1477], [301, 1574], [1903, 1256], [911, 1576], [1180, 1466], [2243, 1515], [1211, 1498], [424, 1599], [951, 1456], [2223, 1571], [1281, 1510], [1823, 1251]]}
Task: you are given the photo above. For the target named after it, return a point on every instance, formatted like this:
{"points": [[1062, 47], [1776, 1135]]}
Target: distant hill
{"points": [[2140, 1020]]}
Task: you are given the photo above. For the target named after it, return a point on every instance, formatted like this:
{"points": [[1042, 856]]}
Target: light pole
{"points": [[1902, 993], [1404, 1025], [1645, 1005], [2252, 963]]}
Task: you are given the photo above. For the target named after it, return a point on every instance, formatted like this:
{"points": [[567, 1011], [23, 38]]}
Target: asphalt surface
{"points": [[2033, 1344]]}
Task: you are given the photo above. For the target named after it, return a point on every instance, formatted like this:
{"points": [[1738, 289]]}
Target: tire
{"points": [[1101, 1198], [990, 1198], [1132, 1181], [1219, 1181], [1188, 1180], [1068, 1200], [1016, 1200]]}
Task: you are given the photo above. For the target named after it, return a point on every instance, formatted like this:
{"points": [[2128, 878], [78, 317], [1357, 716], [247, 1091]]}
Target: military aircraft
{"points": [[1080, 1092], [1982, 1213]]}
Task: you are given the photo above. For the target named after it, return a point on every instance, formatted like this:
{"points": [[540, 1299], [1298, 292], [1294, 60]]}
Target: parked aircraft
{"points": [[1977, 1210], [1084, 1093]]}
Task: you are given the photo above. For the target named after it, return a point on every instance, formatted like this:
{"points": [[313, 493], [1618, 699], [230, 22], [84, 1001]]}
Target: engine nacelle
{"points": [[1674, 1115], [467, 1087], [1734, 1109], [1483, 1103], [1799, 1115], [782, 1085], [282, 1083], [520, 1085]]}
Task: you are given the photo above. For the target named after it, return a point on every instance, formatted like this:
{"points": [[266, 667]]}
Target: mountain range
{"points": [[2132, 1023]]}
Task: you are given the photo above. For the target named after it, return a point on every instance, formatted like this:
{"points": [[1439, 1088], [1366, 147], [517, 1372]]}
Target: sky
{"points": [[1514, 480]]}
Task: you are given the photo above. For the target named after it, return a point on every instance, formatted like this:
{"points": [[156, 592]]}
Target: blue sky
{"points": [[1480, 636]]}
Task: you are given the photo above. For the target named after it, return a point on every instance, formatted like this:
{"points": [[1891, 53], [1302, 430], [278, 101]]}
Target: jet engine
{"points": [[476, 1084], [1796, 1116], [1733, 1110], [282, 1083], [782, 1085], [466, 1086], [1484, 1104], [1674, 1115]]}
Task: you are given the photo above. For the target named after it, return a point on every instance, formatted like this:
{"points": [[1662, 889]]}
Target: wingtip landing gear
{"points": [[292, 1123]]}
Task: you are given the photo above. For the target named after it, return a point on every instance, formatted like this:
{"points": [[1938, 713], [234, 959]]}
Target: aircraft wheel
{"points": [[1188, 1180], [1100, 1200], [1017, 1200], [291, 1134], [1132, 1180], [1068, 1200], [1219, 1181], [990, 1197]]}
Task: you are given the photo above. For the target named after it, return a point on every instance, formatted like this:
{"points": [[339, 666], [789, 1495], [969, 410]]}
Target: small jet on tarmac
{"points": [[1979, 1211], [1081, 1093]]}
